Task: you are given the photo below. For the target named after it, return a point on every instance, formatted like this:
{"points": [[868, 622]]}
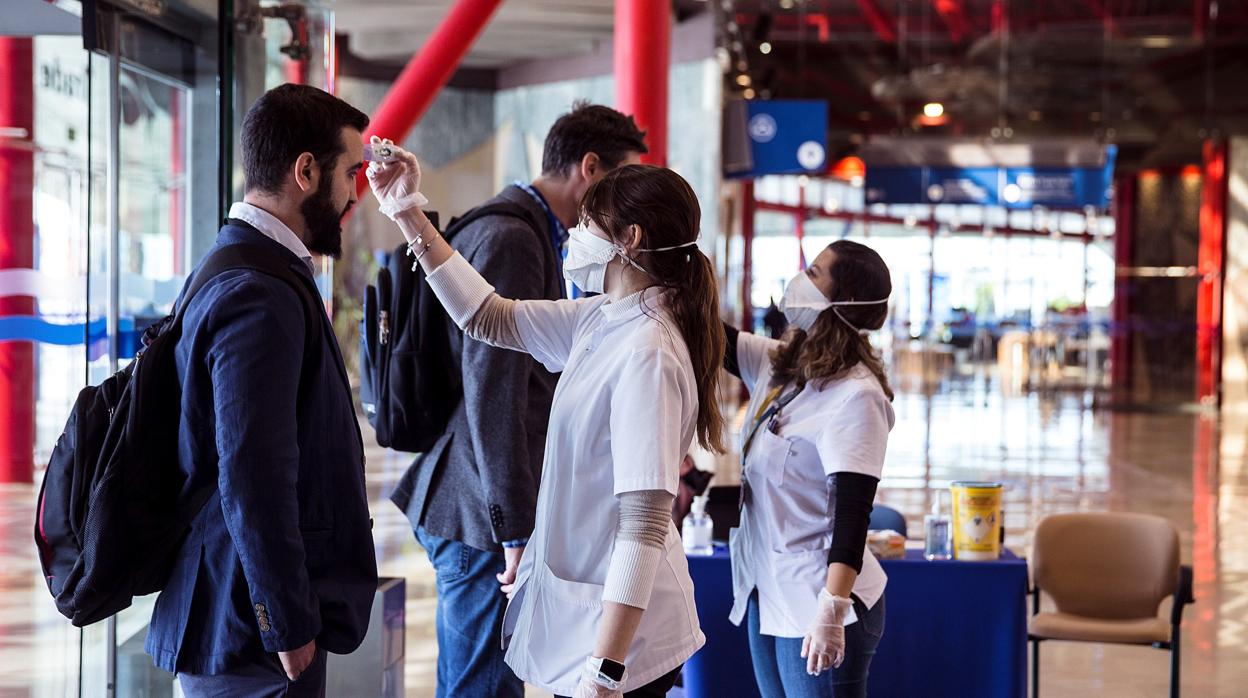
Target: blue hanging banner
{"points": [[775, 137], [1013, 177]]}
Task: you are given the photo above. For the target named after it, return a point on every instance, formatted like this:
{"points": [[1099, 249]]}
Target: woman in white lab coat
{"points": [[813, 447], [603, 603]]}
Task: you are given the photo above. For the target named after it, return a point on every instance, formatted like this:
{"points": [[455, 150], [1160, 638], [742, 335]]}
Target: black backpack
{"points": [[409, 385], [114, 506]]}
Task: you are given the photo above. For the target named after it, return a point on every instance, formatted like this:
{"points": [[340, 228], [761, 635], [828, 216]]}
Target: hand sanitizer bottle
{"points": [[696, 529], [936, 528]]}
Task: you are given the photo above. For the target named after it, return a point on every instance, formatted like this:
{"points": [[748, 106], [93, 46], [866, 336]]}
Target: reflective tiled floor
{"points": [[1054, 454]]}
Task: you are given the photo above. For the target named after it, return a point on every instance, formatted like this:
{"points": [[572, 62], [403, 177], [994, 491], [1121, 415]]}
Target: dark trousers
{"points": [[469, 621], [263, 678], [655, 689], [781, 671]]}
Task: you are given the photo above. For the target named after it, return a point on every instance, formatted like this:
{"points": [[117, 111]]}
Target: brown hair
{"points": [[832, 347], [590, 128], [663, 205]]}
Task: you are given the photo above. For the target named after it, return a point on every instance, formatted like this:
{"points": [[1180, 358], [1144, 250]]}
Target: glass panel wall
{"points": [[43, 181], [979, 294]]}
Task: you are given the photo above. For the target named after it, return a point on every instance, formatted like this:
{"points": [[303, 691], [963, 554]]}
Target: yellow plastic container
{"points": [[977, 520]]}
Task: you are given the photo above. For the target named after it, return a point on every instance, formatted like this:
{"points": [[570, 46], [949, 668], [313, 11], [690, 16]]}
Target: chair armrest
{"points": [[1182, 595]]}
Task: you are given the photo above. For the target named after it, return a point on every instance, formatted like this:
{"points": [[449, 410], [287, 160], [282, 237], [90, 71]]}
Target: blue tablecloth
{"points": [[953, 629]]}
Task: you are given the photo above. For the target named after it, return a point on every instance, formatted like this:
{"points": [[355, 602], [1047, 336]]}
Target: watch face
{"points": [[612, 670]]}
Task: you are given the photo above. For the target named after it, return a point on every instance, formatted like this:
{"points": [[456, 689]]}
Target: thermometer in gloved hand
{"points": [[380, 153]]}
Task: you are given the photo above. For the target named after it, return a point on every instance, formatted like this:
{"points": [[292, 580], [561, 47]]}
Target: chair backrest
{"points": [[1111, 566], [887, 518]]}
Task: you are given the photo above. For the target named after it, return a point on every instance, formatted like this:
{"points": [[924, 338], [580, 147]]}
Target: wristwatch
{"points": [[606, 672]]}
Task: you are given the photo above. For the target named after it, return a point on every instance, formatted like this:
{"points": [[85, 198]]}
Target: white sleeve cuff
{"points": [[461, 288], [630, 578]]}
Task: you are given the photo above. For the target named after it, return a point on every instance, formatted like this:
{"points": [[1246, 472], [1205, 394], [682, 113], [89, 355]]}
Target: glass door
{"points": [[154, 208]]}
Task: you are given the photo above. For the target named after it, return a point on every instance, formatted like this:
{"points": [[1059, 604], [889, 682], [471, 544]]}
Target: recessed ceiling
{"points": [[393, 30], [1154, 76]]}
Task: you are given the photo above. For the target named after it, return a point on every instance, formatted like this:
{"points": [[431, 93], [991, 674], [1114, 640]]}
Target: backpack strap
{"points": [[256, 258], [267, 261], [499, 208]]}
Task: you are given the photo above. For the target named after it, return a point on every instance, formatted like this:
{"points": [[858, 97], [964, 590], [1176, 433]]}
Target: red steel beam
{"points": [[17, 251], [951, 13], [1210, 259], [867, 218], [1102, 12], [880, 21], [427, 72], [643, 40]]}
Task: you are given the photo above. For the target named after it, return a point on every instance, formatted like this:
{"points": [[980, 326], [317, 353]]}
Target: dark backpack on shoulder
{"points": [[409, 385], [114, 506]]}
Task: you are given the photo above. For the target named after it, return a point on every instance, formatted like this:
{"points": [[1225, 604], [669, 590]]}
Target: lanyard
{"points": [[769, 411], [558, 233]]}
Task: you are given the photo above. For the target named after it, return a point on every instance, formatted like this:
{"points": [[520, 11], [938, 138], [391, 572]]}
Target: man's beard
{"points": [[324, 221]]}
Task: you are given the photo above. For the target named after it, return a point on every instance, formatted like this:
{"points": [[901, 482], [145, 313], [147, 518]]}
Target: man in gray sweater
{"points": [[472, 497]]}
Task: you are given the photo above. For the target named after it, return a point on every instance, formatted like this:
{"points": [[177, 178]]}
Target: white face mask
{"points": [[589, 255], [587, 260], [803, 302]]}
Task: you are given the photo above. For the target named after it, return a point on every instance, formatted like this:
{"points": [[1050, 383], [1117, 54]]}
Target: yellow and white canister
{"points": [[976, 520]]}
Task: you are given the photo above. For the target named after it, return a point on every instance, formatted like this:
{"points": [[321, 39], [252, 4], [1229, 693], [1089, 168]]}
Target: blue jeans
{"points": [[469, 621], [781, 671]]}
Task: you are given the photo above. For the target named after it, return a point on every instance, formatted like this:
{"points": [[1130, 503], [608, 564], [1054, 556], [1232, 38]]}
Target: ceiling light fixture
{"points": [[743, 80], [749, 93], [764, 48], [933, 110]]}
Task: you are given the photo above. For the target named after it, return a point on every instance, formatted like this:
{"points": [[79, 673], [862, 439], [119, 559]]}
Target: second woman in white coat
{"points": [[814, 444], [603, 603]]}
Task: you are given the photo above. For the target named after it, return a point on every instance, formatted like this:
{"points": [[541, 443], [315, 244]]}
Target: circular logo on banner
{"points": [[1012, 193], [811, 155], [762, 128], [935, 192]]}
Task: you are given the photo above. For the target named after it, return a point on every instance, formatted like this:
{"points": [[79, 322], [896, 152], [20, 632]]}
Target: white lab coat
{"points": [[623, 417], [781, 547]]}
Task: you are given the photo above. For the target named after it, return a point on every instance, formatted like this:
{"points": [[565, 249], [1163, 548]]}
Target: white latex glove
{"points": [[588, 688], [396, 184], [823, 647]]}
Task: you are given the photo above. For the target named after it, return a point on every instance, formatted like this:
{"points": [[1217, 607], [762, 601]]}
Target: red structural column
{"points": [[1120, 329], [643, 40], [425, 75], [747, 263], [295, 71], [1210, 259], [17, 251]]}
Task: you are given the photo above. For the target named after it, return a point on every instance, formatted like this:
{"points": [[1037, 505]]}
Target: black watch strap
{"points": [[612, 669]]}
